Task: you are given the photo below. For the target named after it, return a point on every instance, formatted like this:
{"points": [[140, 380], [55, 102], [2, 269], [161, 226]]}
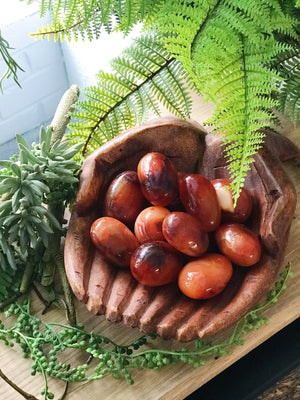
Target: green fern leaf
{"points": [[289, 91], [227, 53], [287, 64], [72, 19], [126, 12], [144, 76]]}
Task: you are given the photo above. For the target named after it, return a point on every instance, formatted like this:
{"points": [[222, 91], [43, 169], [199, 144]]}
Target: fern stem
{"points": [[246, 112], [65, 29], [58, 30], [137, 87], [202, 26]]}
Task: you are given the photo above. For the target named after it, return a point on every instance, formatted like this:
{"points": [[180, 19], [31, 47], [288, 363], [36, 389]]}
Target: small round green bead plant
{"points": [[45, 344]]}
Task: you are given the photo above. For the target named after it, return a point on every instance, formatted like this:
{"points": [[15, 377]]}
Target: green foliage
{"points": [[142, 76], [45, 344], [238, 53], [31, 183], [232, 51], [72, 19], [227, 48], [11, 66], [288, 66], [289, 91], [9, 283], [244, 107]]}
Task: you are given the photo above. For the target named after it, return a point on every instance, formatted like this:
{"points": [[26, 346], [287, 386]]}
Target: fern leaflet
{"points": [[144, 76], [288, 65], [72, 19], [289, 90]]}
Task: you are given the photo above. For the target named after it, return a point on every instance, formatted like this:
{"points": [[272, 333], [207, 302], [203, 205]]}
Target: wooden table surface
{"points": [[177, 381]]}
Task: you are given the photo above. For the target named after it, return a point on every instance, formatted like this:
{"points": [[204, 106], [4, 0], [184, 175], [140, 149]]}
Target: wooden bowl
{"points": [[165, 310]]}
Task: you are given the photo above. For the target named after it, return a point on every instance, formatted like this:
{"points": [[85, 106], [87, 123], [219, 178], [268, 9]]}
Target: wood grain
{"points": [[174, 382]]}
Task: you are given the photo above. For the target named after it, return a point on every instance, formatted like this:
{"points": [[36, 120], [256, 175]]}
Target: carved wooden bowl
{"points": [[116, 294]]}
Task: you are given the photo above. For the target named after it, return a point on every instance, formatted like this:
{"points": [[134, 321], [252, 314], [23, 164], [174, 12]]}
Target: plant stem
{"points": [[26, 395], [26, 277], [65, 391], [57, 209], [203, 25], [167, 63], [71, 313]]}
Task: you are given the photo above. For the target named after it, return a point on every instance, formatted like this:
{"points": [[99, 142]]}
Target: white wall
{"points": [[49, 69], [43, 82], [84, 59], [14, 10]]}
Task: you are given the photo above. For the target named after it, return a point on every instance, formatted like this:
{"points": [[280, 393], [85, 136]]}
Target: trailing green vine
{"points": [[12, 67], [45, 344]]}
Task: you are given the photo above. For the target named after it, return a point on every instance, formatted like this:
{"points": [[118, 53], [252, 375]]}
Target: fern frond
{"points": [[269, 15], [143, 76], [72, 19], [244, 106], [126, 13], [289, 91], [287, 64], [45, 6], [75, 18], [227, 52]]}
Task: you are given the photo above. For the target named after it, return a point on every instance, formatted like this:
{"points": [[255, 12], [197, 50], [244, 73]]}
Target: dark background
{"points": [[258, 371]]}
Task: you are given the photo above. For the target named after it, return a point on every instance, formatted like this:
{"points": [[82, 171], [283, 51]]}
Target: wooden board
{"points": [[174, 382]]}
